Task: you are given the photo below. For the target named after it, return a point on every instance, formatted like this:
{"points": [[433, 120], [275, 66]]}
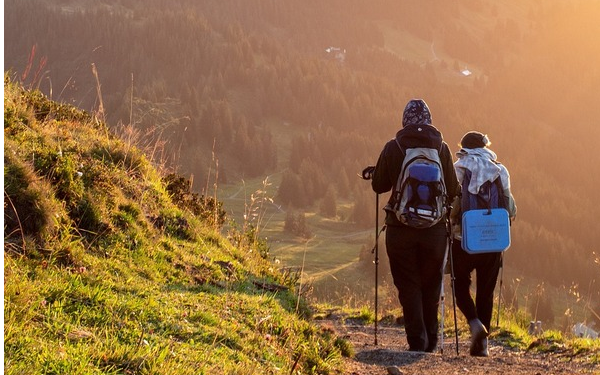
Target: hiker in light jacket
{"points": [[476, 157], [416, 255]]}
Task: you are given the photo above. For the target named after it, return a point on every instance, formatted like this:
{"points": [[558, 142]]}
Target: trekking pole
{"points": [[501, 282], [443, 297], [376, 249], [367, 174], [449, 226], [376, 252], [453, 296], [443, 302], [500, 288]]}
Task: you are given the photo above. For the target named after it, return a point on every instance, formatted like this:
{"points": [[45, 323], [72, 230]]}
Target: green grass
{"points": [[513, 332], [105, 274]]}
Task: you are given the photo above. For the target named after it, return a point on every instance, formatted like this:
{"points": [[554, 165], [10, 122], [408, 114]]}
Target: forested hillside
{"points": [[252, 82]]}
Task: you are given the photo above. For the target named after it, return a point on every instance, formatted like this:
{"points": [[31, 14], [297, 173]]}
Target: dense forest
{"points": [[227, 77]]}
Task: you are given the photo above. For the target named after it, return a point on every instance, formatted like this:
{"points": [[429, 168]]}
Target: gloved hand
{"points": [[367, 173]]}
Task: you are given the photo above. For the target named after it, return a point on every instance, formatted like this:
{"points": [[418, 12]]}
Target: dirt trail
{"points": [[390, 356]]}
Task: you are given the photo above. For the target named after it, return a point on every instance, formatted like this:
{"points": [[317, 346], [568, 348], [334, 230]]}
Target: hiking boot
{"points": [[478, 339], [481, 349], [484, 350], [400, 320], [432, 346]]}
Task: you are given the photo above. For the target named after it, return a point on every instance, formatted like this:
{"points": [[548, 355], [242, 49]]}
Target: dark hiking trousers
{"points": [[416, 262], [486, 267]]}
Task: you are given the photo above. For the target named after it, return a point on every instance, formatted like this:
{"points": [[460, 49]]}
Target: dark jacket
{"points": [[390, 161]]}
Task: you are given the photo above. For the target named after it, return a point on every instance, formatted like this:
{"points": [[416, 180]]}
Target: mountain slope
{"points": [[107, 270]]}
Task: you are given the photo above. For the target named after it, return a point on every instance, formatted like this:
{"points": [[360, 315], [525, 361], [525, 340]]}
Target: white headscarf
{"points": [[483, 166]]}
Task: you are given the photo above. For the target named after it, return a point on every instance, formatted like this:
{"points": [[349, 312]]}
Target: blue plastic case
{"points": [[485, 231]]}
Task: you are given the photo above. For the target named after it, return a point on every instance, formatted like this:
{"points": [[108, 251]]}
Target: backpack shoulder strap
{"points": [[400, 147]]}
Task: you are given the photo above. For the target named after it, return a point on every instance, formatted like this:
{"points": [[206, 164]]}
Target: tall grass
{"points": [[116, 275]]}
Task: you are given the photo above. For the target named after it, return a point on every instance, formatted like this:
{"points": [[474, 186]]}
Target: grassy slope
{"points": [[103, 273]]}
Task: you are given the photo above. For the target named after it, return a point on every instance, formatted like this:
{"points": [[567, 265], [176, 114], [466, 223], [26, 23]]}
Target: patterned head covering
{"points": [[416, 112]]}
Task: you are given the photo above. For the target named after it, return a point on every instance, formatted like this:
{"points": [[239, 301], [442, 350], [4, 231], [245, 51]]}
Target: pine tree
{"points": [[328, 204]]}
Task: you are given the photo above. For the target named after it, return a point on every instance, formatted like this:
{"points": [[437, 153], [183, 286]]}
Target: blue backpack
{"points": [[490, 195], [420, 192]]}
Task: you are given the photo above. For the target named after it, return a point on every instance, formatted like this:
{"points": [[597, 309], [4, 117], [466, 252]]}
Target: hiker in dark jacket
{"points": [[476, 157], [416, 255]]}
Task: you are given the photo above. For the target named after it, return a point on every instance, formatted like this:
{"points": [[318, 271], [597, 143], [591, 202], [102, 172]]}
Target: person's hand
{"points": [[367, 173]]}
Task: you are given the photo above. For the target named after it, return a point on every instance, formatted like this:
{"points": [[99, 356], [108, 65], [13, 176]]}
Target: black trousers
{"points": [[486, 267], [416, 262]]}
